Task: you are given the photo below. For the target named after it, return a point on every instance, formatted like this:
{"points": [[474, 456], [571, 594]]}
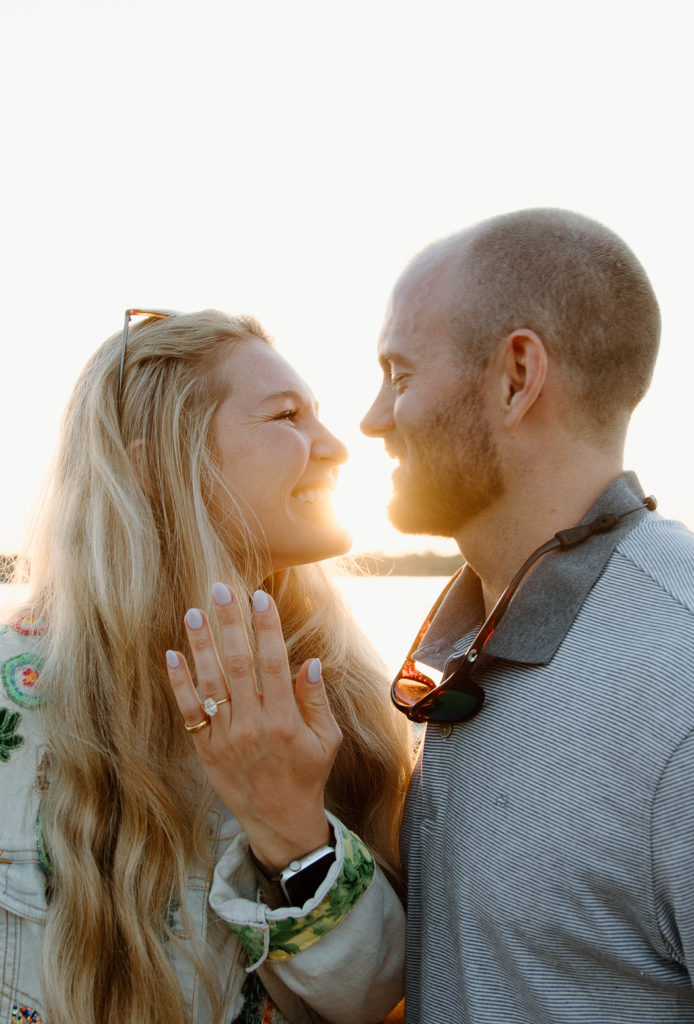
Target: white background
{"points": [[286, 159]]}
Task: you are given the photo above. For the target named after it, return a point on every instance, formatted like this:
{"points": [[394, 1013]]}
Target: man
{"points": [[549, 839]]}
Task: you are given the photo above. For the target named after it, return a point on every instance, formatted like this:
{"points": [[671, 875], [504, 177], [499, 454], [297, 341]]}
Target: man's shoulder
{"points": [[662, 550]]}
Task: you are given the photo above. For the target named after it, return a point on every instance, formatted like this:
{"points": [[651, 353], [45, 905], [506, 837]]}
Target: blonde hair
{"points": [[127, 539]]}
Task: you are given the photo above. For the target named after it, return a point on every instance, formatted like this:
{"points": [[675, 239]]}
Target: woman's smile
{"points": [[277, 458]]}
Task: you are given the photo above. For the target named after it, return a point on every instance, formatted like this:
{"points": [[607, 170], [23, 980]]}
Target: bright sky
{"points": [[286, 159]]}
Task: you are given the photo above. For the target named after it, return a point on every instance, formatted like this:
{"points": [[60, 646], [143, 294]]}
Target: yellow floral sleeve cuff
{"points": [[291, 935]]}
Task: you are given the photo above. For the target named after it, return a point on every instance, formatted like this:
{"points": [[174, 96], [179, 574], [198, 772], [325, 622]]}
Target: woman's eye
{"points": [[287, 414]]}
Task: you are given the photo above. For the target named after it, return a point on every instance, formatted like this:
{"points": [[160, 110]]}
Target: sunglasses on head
{"points": [[155, 314], [457, 697]]}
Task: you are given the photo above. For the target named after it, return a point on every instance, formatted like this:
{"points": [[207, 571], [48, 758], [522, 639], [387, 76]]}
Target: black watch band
{"points": [[300, 879]]}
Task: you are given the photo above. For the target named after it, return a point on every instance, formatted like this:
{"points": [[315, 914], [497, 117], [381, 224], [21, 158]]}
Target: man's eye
{"points": [[398, 380]]}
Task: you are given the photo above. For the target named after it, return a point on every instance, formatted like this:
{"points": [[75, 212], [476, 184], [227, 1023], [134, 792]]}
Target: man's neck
{"points": [[498, 540]]}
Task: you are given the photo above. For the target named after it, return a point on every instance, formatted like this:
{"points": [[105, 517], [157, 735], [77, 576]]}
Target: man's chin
{"points": [[409, 515]]}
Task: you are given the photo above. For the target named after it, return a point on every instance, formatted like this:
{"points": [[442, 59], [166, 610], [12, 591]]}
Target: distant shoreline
{"points": [[416, 563], [367, 563]]}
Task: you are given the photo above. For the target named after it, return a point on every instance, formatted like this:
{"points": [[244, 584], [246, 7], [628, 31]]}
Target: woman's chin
{"points": [[337, 542], [329, 544], [344, 545]]}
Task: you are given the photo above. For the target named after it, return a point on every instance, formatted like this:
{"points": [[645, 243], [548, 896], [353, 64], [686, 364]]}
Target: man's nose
{"points": [[379, 418]]}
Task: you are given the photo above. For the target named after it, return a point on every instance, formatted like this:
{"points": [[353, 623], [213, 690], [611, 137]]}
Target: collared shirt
{"points": [[549, 598], [549, 841]]}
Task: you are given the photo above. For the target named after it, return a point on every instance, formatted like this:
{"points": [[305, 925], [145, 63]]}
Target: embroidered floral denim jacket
{"points": [[338, 959]]}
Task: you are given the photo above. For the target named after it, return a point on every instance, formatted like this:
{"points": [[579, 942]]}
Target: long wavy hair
{"points": [[127, 539]]}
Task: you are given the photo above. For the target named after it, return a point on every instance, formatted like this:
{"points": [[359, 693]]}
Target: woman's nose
{"points": [[327, 446]]}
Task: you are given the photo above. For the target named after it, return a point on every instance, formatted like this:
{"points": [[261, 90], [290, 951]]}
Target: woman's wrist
{"points": [[299, 880], [272, 853]]}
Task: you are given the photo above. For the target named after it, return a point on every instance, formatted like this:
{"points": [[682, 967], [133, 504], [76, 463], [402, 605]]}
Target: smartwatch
{"points": [[300, 879]]}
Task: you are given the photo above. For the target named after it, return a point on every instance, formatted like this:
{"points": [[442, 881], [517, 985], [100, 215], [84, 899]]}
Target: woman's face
{"points": [[276, 456]]}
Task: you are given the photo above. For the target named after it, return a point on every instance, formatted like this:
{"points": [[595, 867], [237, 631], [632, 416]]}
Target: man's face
{"points": [[430, 412]]}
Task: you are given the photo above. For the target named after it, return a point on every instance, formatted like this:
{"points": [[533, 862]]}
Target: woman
{"points": [[191, 453]]}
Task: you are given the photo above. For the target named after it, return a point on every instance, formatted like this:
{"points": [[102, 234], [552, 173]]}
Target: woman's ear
{"points": [[524, 371], [137, 453]]}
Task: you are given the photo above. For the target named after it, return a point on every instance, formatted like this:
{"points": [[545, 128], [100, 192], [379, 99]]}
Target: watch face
{"points": [[302, 885]]}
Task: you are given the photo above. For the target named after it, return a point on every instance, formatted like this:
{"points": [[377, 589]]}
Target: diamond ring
{"points": [[210, 706]]}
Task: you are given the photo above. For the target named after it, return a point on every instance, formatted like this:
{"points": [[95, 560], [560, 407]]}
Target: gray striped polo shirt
{"points": [[549, 842]]}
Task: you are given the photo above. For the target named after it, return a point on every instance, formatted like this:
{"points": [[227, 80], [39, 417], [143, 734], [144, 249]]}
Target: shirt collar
{"points": [[549, 599]]}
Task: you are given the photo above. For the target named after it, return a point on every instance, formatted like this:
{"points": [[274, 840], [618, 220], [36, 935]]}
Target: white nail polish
{"points": [[260, 601], [172, 659], [221, 593], [314, 670], [194, 618]]}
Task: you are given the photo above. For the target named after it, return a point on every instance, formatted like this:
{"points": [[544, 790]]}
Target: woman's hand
{"points": [[268, 755]]}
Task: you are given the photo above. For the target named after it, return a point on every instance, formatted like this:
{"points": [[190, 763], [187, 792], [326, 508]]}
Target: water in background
{"points": [[9, 594], [390, 609]]}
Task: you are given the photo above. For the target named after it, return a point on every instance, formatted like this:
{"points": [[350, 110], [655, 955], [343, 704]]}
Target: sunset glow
{"points": [[287, 160]]}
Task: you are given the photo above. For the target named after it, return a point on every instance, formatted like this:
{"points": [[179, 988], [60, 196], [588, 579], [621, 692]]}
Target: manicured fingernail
{"points": [[314, 670], [260, 601], [194, 618], [221, 593], [172, 659]]}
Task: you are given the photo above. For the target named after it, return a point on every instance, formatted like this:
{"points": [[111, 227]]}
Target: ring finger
{"points": [[194, 717]]}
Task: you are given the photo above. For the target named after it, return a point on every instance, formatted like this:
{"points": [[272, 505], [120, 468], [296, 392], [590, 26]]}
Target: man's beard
{"points": [[451, 471]]}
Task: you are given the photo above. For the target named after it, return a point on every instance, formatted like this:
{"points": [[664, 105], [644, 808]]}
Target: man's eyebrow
{"points": [[392, 356]]}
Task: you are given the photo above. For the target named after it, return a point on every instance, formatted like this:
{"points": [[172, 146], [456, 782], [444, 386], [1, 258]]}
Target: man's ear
{"points": [[137, 453], [524, 371]]}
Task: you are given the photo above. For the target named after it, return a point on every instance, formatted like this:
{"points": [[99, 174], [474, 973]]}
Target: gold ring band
{"points": [[196, 728]]}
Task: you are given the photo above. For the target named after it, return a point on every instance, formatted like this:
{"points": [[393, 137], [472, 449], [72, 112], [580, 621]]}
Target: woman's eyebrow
{"points": [[297, 397], [293, 396]]}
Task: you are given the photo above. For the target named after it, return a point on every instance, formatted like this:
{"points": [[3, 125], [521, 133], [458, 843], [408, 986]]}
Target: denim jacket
{"points": [[337, 959]]}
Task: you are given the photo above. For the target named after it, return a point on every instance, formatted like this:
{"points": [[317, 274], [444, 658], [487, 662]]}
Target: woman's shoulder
{"points": [[23, 762], [21, 660]]}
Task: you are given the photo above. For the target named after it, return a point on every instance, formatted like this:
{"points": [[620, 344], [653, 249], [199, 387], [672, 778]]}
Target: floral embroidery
{"points": [[172, 915], [292, 935], [9, 737], [44, 859], [30, 625], [25, 1015], [19, 677], [258, 1007], [42, 781]]}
